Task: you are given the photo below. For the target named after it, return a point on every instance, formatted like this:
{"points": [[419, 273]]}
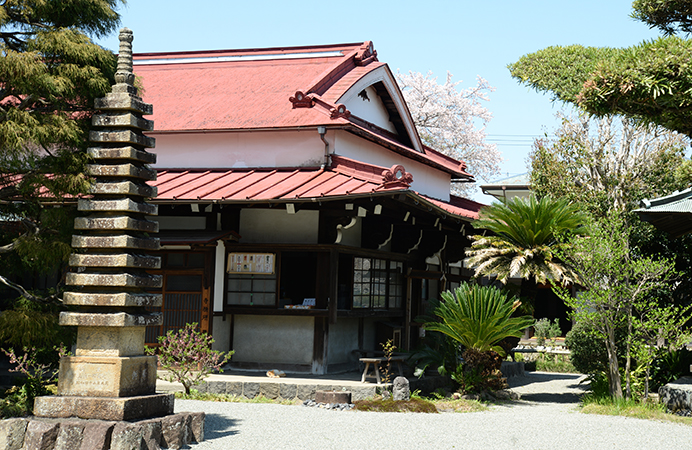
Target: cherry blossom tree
{"points": [[453, 121]]}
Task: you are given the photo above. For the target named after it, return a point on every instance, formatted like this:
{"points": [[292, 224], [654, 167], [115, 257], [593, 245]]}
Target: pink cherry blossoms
{"points": [[453, 121]]}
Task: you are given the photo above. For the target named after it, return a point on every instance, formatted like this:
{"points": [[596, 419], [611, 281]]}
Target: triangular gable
{"points": [[284, 88], [383, 97]]}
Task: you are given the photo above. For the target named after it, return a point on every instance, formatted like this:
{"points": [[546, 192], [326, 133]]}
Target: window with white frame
{"points": [[377, 283]]}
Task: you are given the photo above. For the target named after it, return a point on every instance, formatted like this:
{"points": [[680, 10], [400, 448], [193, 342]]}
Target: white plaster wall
{"points": [[352, 236], [239, 149], [180, 222], [343, 338], [273, 339], [372, 110], [221, 332], [276, 226], [426, 180], [369, 334]]}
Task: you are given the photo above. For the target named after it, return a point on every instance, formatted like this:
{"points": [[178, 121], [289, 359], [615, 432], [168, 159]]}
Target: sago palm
{"points": [[478, 317], [525, 235]]}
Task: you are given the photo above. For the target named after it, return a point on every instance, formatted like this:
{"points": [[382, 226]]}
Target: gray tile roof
{"points": [[671, 213]]}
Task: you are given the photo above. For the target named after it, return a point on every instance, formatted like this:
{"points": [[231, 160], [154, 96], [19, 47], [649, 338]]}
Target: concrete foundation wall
{"points": [[273, 339], [221, 332], [343, 339]]}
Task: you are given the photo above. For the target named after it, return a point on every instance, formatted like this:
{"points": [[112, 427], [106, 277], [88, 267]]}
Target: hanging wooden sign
{"points": [[251, 263]]}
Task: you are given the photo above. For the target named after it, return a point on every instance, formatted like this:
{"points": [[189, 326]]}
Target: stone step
{"points": [[123, 188], [125, 299], [120, 319], [119, 205], [120, 260], [104, 408], [123, 223], [121, 170], [127, 152], [114, 280], [118, 241], [123, 119], [122, 137]]}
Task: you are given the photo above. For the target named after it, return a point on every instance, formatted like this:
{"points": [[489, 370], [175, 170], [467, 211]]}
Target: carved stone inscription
{"points": [[107, 377]]}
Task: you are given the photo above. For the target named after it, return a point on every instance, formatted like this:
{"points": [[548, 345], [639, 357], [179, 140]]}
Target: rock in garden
{"points": [[677, 395]]}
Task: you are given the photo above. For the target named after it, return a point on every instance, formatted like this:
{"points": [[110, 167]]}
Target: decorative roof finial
{"points": [[124, 73]]}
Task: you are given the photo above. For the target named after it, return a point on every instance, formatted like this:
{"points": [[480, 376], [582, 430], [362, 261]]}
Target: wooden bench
{"points": [[376, 361]]}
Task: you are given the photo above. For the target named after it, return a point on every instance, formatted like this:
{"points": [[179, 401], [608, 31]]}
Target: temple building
{"points": [[301, 217]]}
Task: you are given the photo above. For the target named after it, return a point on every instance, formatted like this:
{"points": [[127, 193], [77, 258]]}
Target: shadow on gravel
{"points": [[217, 426], [544, 387], [543, 377], [551, 398]]}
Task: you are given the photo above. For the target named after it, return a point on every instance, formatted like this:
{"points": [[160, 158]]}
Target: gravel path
{"points": [[545, 418]]}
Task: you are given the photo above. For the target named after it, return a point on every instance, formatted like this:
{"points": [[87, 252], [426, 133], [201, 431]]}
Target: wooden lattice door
{"points": [[186, 293]]}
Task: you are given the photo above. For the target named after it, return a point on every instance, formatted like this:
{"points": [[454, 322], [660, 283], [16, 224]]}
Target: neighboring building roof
{"points": [[345, 179], [672, 213], [507, 188], [279, 88]]}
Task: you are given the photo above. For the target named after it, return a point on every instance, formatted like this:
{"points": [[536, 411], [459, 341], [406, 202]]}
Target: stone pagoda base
{"points": [[105, 408], [170, 432]]}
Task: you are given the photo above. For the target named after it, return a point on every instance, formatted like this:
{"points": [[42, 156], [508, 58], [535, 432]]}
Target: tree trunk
{"points": [[628, 364], [613, 367]]}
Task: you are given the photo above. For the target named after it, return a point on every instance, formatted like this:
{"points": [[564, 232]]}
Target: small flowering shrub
{"points": [[187, 357], [19, 400]]}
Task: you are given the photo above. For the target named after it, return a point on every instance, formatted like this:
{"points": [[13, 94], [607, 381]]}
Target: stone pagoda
{"points": [[110, 377]]}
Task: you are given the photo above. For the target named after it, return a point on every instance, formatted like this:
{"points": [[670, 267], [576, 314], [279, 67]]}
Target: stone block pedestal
{"points": [[105, 408], [170, 432], [107, 377]]}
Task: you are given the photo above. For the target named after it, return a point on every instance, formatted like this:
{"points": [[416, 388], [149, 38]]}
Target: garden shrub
{"points": [[588, 351], [545, 329], [668, 367], [187, 357], [437, 352], [19, 400], [480, 372]]}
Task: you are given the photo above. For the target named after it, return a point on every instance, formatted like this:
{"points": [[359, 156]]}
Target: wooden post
{"points": [[333, 285]]}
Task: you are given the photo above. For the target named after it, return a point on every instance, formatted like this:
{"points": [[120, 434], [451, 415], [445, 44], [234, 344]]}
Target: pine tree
{"points": [[50, 73]]}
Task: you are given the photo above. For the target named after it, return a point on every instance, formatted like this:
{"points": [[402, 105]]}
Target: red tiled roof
{"points": [[345, 178], [230, 89], [457, 205], [256, 89]]}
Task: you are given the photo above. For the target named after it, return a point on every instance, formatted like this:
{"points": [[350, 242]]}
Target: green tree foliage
{"points": [[671, 16], [50, 73], [607, 164], [651, 81], [524, 239], [658, 329], [614, 282]]}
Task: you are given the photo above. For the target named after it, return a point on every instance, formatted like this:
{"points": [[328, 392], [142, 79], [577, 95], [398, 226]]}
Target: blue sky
{"points": [[465, 37]]}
